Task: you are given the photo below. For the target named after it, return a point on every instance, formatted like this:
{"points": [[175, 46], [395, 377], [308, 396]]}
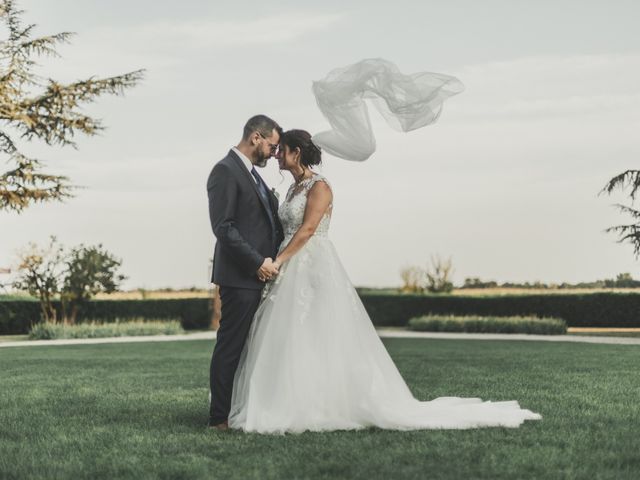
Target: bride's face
{"points": [[288, 159]]}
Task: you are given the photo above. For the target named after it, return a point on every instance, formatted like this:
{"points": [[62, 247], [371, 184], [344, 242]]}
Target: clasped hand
{"points": [[267, 270]]}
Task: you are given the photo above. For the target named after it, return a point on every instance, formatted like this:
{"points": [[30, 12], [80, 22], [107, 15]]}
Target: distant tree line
{"points": [[622, 280]]}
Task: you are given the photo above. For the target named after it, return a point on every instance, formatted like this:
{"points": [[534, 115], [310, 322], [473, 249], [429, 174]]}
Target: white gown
{"points": [[313, 360]]}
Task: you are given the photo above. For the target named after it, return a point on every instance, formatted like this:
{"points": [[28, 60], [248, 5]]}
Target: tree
{"points": [[435, 278], [413, 279], [475, 282], [89, 270], [75, 276], [35, 107], [439, 275], [627, 233], [40, 274]]}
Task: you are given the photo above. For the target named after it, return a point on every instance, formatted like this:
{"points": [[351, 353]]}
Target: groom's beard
{"points": [[261, 161]]}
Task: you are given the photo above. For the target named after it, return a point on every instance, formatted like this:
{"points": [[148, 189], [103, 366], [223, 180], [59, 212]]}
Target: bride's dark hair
{"points": [[310, 153]]}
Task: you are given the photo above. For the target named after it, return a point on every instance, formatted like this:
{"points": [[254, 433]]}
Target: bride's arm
{"points": [[318, 200]]}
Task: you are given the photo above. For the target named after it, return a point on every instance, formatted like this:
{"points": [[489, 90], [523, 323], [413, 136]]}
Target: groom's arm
{"points": [[223, 194]]}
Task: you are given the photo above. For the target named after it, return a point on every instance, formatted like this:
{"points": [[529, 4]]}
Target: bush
{"points": [[606, 309], [577, 310], [18, 316], [194, 313], [475, 324], [50, 331]]}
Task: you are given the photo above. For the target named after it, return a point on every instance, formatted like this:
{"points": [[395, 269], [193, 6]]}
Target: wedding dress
{"points": [[313, 360]]}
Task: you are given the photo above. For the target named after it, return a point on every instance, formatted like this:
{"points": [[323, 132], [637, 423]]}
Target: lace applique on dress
{"points": [[291, 213], [292, 210]]}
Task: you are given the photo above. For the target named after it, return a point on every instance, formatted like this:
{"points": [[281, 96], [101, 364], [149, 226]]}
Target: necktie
{"points": [[264, 193], [261, 187]]}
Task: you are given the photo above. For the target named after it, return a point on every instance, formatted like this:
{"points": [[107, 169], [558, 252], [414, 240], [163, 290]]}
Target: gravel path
{"points": [[383, 332]]}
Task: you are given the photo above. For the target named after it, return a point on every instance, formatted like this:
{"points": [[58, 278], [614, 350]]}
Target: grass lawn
{"points": [[606, 334], [139, 411]]}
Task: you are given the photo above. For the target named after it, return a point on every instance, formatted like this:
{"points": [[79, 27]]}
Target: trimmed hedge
{"points": [[476, 324], [194, 313], [578, 310], [17, 316]]}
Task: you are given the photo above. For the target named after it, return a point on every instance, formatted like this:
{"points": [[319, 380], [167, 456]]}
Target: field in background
{"points": [[540, 291], [490, 292], [154, 294], [142, 294]]}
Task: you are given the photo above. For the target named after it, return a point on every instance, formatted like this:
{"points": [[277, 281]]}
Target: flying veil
{"points": [[407, 102]]}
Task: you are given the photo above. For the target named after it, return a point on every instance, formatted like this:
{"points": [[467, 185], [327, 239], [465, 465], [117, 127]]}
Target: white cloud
{"points": [[551, 86], [502, 182], [214, 33], [166, 45]]}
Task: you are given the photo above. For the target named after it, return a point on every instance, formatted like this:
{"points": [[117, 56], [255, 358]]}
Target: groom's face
{"points": [[267, 147]]}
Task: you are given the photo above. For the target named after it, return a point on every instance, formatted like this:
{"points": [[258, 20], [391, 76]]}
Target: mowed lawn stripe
{"points": [[139, 411]]}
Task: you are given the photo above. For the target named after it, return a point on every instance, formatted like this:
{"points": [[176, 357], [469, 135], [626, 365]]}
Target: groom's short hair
{"points": [[261, 124]]}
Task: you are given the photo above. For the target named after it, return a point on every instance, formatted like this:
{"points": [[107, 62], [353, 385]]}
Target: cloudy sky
{"points": [[505, 183]]}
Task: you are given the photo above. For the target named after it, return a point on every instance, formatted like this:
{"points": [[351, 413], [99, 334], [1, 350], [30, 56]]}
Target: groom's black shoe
{"points": [[219, 426]]}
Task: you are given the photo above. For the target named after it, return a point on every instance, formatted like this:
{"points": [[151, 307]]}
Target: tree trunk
{"points": [[74, 314], [47, 309], [216, 308]]}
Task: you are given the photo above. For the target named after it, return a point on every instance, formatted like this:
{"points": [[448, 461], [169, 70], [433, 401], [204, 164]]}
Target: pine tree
{"points": [[627, 233], [35, 107]]}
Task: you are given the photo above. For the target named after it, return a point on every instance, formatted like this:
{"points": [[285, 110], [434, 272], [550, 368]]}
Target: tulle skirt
{"points": [[313, 361]]}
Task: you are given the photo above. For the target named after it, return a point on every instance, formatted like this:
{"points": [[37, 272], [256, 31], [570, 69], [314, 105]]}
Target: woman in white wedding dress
{"points": [[313, 360]]}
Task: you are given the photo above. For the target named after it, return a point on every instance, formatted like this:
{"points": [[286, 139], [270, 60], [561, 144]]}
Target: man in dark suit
{"points": [[244, 218]]}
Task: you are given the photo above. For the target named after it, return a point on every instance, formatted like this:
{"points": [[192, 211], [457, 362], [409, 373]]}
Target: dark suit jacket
{"points": [[239, 219]]}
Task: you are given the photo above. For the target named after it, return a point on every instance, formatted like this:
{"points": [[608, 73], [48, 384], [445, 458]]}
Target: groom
{"points": [[244, 219]]}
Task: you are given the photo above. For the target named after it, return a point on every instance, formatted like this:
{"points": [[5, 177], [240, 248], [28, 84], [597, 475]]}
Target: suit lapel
{"points": [[246, 174]]}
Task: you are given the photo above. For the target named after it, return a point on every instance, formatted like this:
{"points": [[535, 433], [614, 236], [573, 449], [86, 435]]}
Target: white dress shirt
{"points": [[245, 160]]}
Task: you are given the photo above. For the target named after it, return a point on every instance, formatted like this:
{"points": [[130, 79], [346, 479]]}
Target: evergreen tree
{"points": [[32, 106], [627, 233]]}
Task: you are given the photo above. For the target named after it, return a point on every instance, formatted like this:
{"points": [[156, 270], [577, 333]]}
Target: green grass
{"points": [[606, 334], [139, 411]]}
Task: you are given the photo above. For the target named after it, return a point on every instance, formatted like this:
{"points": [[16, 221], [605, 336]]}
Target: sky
{"points": [[505, 183]]}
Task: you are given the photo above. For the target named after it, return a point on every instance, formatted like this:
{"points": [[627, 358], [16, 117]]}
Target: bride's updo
{"points": [[310, 153]]}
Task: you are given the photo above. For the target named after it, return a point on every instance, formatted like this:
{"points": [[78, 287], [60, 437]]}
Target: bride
{"points": [[313, 360]]}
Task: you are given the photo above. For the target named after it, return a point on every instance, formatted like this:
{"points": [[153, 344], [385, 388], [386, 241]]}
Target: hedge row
{"points": [[17, 316], [50, 331], [577, 310], [477, 324]]}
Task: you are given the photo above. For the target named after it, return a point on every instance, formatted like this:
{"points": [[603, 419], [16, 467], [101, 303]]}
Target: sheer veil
{"points": [[407, 102]]}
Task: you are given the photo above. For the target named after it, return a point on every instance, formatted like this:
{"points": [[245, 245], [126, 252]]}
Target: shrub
{"points": [[194, 313], [578, 310], [606, 309], [50, 331], [17, 316], [476, 324]]}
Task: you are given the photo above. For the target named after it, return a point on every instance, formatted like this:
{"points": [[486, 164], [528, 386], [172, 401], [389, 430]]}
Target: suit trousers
{"points": [[238, 308]]}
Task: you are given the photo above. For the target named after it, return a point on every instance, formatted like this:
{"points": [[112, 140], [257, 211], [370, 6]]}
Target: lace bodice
{"points": [[291, 211]]}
